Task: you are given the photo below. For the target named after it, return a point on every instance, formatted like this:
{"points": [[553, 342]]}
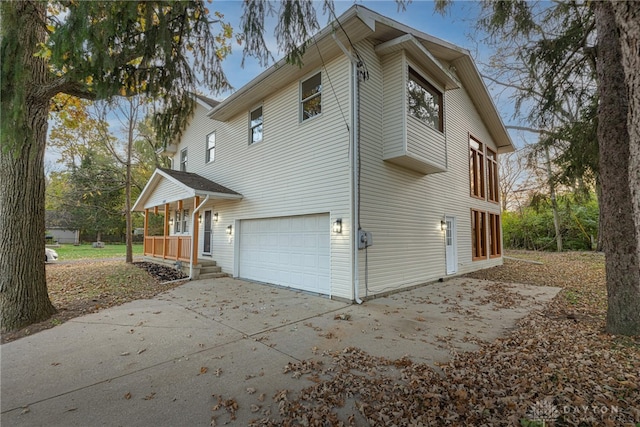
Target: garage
{"points": [[288, 251]]}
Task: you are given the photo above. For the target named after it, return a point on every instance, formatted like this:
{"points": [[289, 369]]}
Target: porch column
{"points": [[145, 232], [194, 237], [165, 231], [146, 224]]}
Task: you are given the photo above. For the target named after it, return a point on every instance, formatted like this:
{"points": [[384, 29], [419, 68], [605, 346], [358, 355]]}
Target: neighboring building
{"points": [[388, 134], [59, 229]]}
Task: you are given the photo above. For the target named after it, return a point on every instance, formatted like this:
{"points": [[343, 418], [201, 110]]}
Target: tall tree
{"points": [[619, 142], [563, 60], [90, 50]]}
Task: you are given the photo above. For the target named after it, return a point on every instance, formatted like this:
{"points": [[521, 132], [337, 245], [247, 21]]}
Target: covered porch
{"points": [[172, 203]]}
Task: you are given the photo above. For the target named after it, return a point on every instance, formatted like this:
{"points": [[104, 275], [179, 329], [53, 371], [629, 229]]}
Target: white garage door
{"points": [[288, 251]]}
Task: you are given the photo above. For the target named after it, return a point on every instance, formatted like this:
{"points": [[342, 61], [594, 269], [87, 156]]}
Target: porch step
{"points": [[207, 263], [212, 275], [210, 269]]}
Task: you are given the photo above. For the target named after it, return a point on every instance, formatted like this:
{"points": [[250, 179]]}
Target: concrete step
{"points": [[212, 276], [207, 270], [207, 263]]}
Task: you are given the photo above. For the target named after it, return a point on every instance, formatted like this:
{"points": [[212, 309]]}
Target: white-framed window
{"points": [[255, 125], [210, 154], [183, 160], [177, 223], [185, 221], [311, 97], [425, 101]]}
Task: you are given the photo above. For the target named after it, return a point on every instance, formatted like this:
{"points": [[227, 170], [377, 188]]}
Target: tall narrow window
{"points": [[255, 126], [495, 240], [183, 160], [210, 155], [177, 223], [425, 101], [476, 168], [185, 221], [478, 235], [311, 97], [492, 176]]}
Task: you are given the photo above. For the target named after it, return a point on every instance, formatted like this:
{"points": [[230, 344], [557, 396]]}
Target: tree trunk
{"points": [[601, 230], [618, 141], [23, 289], [554, 201], [127, 186]]}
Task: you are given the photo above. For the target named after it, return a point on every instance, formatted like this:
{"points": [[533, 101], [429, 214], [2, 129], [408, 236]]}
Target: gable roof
{"points": [[184, 185], [361, 23], [205, 101]]}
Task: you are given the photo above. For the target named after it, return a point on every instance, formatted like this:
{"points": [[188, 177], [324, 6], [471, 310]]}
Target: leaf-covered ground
{"points": [[85, 287], [558, 367]]}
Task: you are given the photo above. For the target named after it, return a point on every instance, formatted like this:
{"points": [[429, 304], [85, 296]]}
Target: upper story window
{"points": [[311, 97], [210, 154], [255, 126], [183, 160], [492, 176], [476, 167], [425, 101]]}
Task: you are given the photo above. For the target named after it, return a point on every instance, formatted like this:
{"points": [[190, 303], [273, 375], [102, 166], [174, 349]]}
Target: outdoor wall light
{"points": [[171, 222], [229, 230], [337, 226], [443, 225], [199, 219], [215, 217]]}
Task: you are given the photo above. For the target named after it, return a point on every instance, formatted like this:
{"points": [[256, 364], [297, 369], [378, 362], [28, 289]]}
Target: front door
{"points": [[207, 233], [451, 245]]}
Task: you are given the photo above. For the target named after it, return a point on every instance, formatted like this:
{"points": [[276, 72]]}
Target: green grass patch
{"points": [[71, 252]]}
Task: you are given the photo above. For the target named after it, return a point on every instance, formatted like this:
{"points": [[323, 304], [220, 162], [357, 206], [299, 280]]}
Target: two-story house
{"points": [[371, 168]]}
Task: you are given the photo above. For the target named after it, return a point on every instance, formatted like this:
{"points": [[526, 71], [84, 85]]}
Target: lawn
{"points": [[86, 251]]}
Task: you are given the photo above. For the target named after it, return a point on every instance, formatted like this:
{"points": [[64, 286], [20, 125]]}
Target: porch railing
{"points": [[168, 247]]}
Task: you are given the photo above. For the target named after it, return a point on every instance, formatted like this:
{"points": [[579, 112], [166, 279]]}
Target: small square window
{"points": [[183, 160], [311, 97], [255, 126], [211, 147]]}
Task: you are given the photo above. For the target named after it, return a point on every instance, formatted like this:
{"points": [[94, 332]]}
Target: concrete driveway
{"points": [[168, 360]]}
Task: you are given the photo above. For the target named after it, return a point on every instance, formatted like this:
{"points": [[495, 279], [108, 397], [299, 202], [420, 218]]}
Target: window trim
{"points": [[477, 160], [302, 101], [210, 151], [252, 127], [478, 253], [495, 235], [177, 223], [432, 89], [183, 160], [492, 170], [185, 221]]}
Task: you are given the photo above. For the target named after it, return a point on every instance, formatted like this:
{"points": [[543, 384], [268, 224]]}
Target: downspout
{"points": [[353, 140], [193, 218]]}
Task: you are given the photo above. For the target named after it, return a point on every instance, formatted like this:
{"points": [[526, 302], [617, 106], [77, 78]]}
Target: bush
{"points": [[532, 227]]}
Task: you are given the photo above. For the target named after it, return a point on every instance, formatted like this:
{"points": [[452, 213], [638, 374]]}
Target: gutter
{"points": [[193, 218], [353, 137]]}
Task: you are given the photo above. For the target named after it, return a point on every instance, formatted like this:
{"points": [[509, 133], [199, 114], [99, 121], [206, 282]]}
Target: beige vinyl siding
{"points": [[289, 172], [403, 208], [393, 103], [407, 141], [194, 139], [165, 192]]}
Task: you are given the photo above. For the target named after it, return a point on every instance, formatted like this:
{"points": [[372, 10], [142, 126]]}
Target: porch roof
{"points": [[167, 186]]}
